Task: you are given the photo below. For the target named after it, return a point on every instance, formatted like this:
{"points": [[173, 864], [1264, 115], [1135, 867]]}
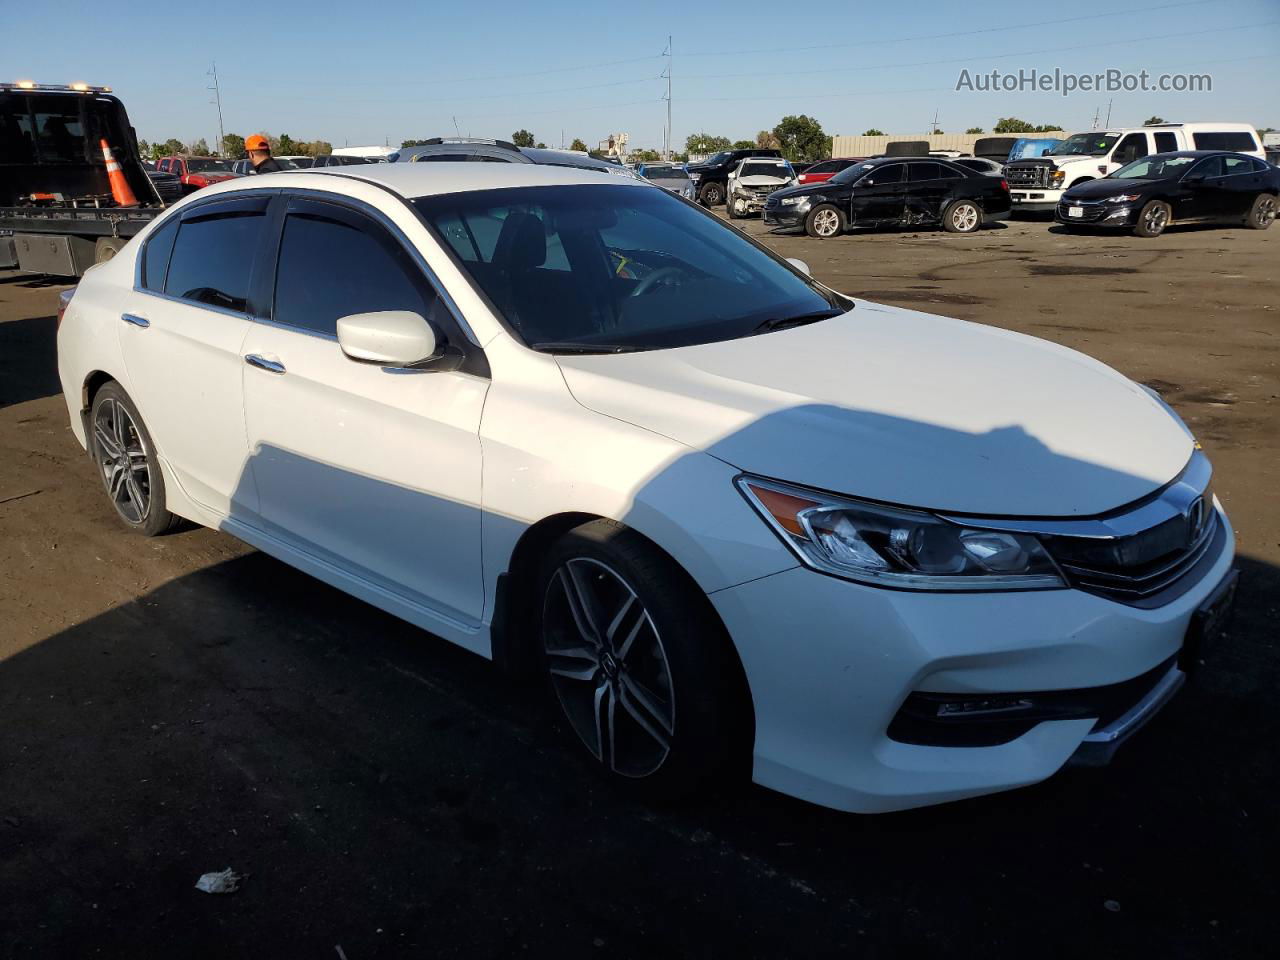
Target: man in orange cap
{"points": [[260, 155]]}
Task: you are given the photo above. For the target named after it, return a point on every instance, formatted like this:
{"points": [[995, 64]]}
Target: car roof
{"points": [[411, 180]]}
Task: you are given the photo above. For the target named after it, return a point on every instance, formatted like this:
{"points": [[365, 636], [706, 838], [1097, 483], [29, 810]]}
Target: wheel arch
{"points": [[513, 644], [93, 382]]}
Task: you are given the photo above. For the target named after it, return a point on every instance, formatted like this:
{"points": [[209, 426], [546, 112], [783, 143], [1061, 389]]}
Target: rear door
{"points": [[880, 196], [925, 192], [370, 469], [181, 336], [1203, 183], [1241, 183]]}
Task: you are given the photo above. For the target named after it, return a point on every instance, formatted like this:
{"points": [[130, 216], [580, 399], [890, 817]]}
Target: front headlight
{"points": [[1122, 198], [1057, 177], [695, 177], [795, 201], [892, 547]]}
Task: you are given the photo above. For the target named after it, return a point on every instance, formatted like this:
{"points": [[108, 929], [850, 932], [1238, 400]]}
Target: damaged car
{"points": [[753, 180], [892, 191]]}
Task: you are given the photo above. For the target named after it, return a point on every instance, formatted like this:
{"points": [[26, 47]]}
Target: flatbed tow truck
{"points": [[58, 215]]}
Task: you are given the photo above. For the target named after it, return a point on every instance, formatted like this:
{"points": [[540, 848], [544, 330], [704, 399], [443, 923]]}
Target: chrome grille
{"points": [[1144, 555], [1028, 175]]}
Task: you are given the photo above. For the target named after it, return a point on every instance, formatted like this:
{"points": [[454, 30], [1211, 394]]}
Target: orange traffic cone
{"points": [[119, 185]]}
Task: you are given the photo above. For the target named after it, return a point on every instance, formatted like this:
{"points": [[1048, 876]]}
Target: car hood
{"points": [[1060, 162], [903, 407], [1107, 187], [807, 189]]}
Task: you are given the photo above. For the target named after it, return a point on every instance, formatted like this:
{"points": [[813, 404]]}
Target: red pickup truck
{"points": [[196, 172]]}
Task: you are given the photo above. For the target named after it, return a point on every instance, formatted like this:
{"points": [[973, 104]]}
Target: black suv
{"points": [[711, 175]]}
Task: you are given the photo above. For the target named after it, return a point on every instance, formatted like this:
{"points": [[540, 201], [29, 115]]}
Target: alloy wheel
{"points": [[1266, 212], [826, 223], [608, 667], [122, 458], [1155, 219], [964, 217]]}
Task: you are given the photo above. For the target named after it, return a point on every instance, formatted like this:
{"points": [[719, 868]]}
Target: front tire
{"points": [[962, 216], [731, 207], [122, 450], [1153, 219], [825, 221], [1263, 212], [642, 671], [711, 195]]}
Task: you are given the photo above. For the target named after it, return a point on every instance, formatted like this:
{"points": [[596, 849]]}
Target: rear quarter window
{"points": [[155, 256]]}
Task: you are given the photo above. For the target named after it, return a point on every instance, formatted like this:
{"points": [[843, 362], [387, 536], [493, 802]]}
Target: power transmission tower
{"points": [[217, 99]]}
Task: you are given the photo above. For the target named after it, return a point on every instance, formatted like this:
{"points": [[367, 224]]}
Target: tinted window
{"points": [[1131, 148], [155, 258], [1224, 141], [1166, 143], [334, 263], [59, 132], [1259, 166], [617, 267], [1211, 167], [213, 258], [882, 175], [917, 172], [1234, 165], [949, 172]]}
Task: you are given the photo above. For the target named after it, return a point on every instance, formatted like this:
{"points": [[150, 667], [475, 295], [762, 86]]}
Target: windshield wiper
{"points": [[781, 323], [569, 346]]}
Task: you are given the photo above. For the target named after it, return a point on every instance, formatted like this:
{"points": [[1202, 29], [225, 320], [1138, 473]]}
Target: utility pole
{"points": [[217, 99], [934, 129], [1095, 118], [1109, 103], [666, 137]]}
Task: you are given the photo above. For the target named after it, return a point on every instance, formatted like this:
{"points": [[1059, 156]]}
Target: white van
{"points": [[1038, 184]]}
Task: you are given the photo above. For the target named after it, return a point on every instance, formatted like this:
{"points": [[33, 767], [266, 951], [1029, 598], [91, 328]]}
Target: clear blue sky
{"points": [[363, 73]]}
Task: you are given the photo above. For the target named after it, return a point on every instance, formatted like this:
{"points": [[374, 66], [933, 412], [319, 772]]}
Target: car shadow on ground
{"points": [[390, 793], [34, 339]]}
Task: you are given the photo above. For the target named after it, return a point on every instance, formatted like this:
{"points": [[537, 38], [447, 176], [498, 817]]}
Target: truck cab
{"points": [[1037, 184]]}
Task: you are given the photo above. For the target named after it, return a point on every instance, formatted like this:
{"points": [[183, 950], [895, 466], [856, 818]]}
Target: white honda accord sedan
{"points": [[742, 523]]}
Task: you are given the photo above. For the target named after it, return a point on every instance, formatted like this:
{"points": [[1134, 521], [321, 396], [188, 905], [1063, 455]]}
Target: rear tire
{"points": [[1263, 212], [643, 673], [711, 195], [962, 216], [1153, 219], [125, 457], [825, 221]]}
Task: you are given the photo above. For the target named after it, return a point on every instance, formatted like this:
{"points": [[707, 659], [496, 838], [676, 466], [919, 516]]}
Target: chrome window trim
{"points": [[225, 311]]}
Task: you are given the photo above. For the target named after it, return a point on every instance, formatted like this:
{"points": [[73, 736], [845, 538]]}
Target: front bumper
{"points": [[1034, 199], [830, 664], [1121, 215], [785, 217]]}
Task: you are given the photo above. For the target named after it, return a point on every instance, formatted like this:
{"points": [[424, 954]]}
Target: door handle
{"points": [[262, 363], [136, 320]]}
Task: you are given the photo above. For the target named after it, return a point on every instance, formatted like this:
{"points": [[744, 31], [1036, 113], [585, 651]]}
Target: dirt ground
{"points": [[184, 704]]}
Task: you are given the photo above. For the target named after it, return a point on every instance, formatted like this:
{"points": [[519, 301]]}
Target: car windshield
{"points": [[665, 173], [1084, 145], [765, 168], [1153, 168], [722, 157], [207, 165], [609, 267], [855, 172]]}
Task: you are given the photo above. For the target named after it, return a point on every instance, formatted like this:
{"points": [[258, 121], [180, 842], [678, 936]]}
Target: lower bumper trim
{"points": [[1099, 746]]}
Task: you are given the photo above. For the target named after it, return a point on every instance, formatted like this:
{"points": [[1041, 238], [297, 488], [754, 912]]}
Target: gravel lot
{"points": [[180, 705]]}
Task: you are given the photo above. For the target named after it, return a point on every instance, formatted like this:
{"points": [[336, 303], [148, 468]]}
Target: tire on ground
{"points": [[1263, 212], [969, 224], [1153, 219], [104, 248], [819, 221], [157, 519], [711, 735]]}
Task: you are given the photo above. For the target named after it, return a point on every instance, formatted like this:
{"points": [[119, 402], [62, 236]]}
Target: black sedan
{"points": [[1187, 186], [906, 191]]}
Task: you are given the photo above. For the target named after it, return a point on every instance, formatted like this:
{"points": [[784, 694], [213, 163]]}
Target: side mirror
{"points": [[800, 265], [392, 338]]}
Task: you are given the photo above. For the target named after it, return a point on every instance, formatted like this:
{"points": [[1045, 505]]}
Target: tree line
{"points": [[233, 147]]}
